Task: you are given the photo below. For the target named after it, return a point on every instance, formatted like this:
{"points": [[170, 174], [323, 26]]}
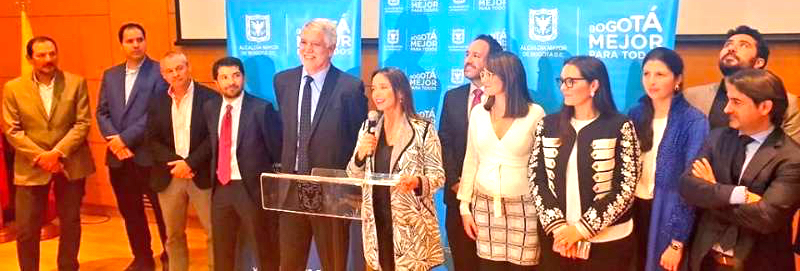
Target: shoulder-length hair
{"points": [[507, 66], [400, 87], [592, 69], [644, 127]]}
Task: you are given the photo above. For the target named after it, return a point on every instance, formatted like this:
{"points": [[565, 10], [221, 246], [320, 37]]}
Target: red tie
{"points": [[477, 100], [224, 150]]}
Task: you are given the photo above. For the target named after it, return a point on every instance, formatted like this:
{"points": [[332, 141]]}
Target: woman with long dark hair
{"points": [[583, 170], [496, 206], [671, 133], [399, 224]]}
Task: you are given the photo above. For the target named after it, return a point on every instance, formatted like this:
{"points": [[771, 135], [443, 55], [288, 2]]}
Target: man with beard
{"points": [[244, 132], [744, 48], [458, 102]]}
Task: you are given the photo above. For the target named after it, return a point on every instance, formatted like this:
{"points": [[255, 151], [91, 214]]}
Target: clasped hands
{"points": [[701, 169], [565, 239], [118, 147], [49, 161]]}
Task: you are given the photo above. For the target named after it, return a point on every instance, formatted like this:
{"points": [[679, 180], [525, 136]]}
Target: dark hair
{"points": [[762, 50], [494, 46], [644, 128], [400, 87], [129, 26], [38, 39], [762, 85], [509, 69], [227, 61], [592, 69]]}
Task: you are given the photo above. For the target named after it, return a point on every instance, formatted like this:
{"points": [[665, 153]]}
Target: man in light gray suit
{"points": [[744, 48]]}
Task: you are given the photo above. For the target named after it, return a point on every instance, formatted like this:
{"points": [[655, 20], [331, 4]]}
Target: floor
{"points": [[104, 246]]}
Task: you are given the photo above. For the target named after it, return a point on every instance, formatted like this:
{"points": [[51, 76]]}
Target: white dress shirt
{"points": [[46, 93], [497, 167], [182, 120], [130, 79], [316, 90], [235, 113], [647, 181]]}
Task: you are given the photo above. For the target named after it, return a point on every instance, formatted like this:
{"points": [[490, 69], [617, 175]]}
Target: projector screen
{"points": [[203, 21]]}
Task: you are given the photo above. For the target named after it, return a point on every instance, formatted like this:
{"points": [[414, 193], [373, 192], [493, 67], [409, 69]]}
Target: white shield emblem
{"points": [[393, 36], [543, 24], [459, 2], [257, 28], [457, 76], [458, 36], [394, 3]]}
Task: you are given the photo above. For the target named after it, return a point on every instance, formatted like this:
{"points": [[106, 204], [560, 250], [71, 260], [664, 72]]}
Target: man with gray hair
{"points": [[321, 110], [177, 136]]}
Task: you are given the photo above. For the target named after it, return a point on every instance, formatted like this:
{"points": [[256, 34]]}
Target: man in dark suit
{"points": [[746, 180], [177, 137], [244, 133], [321, 109], [458, 103], [46, 119], [122, 116]]}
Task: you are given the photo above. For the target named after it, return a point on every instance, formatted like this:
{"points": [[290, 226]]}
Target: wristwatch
{"points": [[676, 245]]}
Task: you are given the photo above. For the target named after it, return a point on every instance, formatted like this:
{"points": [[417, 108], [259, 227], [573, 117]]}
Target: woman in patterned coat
{"points": [[399, 224], [584, 167]]}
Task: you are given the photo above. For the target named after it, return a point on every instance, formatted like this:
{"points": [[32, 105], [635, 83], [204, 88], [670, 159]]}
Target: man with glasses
{"points": [[321, 109]]}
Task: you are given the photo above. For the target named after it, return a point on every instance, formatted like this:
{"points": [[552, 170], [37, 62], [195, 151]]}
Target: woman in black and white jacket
{"points": [[583, 171]]}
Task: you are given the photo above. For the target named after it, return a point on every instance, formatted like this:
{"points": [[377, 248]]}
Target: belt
{"points": [[720, 258]]}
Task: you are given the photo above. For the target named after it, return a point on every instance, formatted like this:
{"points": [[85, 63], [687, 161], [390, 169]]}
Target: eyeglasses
{"points": [[486, 74], [569, 81]]}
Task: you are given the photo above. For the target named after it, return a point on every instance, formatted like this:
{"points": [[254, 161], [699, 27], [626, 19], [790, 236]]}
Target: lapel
{"points": [[58, 88], [461, 107], [406, 134], [166, 102], [32, 93], [292, 105], [213, 112], [765, 153], [141, 78], [324, 96], [197, 116], [244, 115]]}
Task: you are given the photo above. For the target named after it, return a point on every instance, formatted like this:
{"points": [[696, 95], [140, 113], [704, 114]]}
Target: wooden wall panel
{"points": [[10, 48], [152, 14], [56, 8]]}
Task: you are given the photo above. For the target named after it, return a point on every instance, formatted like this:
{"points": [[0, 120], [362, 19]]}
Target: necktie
{"points": [[716, 115], [224, 148], [310, 194], [477, 99], [728, 239]]}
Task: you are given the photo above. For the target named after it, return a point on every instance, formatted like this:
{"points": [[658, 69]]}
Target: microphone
{"points": [[372, 121]]}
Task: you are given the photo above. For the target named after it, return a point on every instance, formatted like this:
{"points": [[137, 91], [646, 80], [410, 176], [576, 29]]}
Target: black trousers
{"points": [[31, 205], [237, 219], [642, 210], [331, 236], [462, 248], [614, 255], [130, 183]]}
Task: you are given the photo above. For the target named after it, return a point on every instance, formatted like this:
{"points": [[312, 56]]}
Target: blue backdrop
{"points": [[265, 36], [428, 39]]}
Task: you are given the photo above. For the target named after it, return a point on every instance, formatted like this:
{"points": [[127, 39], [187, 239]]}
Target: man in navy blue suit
{"points": [[245, 137], [122, 116]]}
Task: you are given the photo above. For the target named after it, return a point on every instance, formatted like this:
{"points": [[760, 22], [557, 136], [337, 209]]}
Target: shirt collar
{"points": [[49, 85], [133, 71], [188, 93], [236, 102], [319, 77], [760, 137]]}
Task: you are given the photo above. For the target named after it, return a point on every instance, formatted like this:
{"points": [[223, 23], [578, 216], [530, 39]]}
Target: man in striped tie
{"points": [[245, 138]]}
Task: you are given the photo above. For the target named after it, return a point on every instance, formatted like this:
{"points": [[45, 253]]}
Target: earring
{"points": [[591, 94]]}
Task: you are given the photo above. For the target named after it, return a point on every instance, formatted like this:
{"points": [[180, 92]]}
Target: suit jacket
{"points": [[702, 97], [128, 120], [453, 132], [30, 131], [258, 141], [341, 109], [160, 139], [764, 239]]}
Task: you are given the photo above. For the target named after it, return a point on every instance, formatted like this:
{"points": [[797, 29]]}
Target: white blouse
{"points": [[497, 167], [647, 181]]}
